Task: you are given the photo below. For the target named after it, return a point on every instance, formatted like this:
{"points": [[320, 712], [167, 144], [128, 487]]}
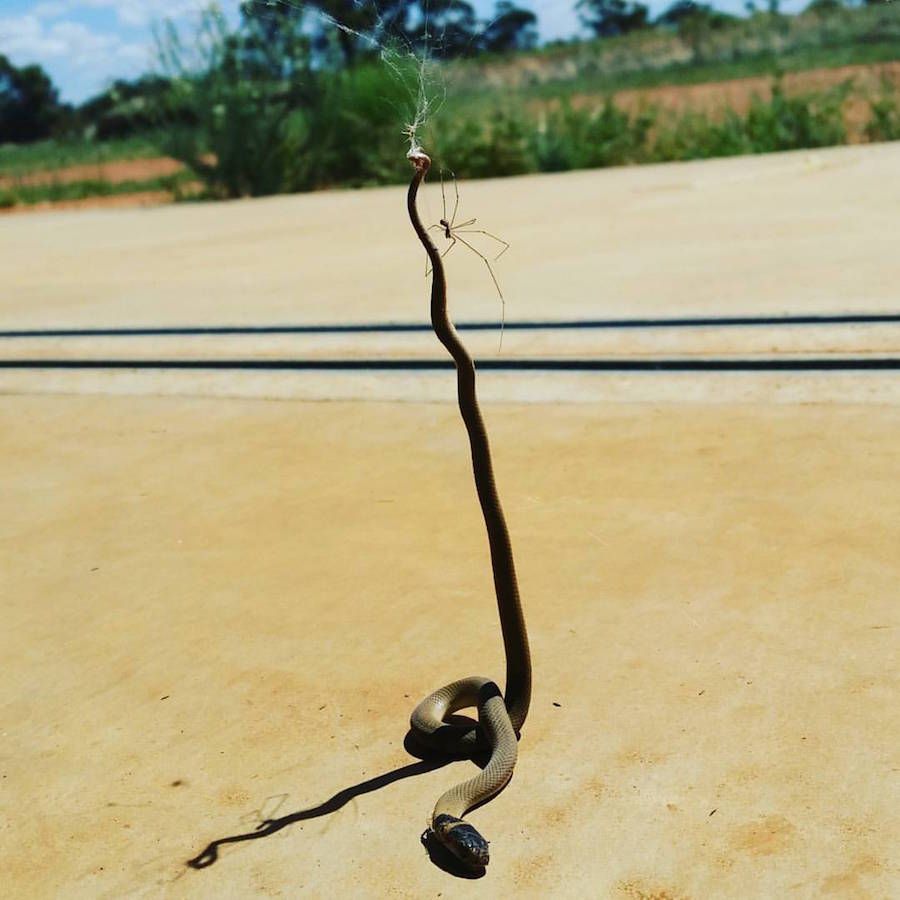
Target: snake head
{"points": [[462, 840]]}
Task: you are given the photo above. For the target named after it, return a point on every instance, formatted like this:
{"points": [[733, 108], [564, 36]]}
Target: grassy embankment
{"points": [[64, 192], [743, 48], [65, 171], [17, 160]]}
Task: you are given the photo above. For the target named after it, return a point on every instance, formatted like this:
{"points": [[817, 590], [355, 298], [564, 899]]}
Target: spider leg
{"points": [[487, 262], [452, 245], [506, 244], [443, 196], [456, 202], [464, 224]]}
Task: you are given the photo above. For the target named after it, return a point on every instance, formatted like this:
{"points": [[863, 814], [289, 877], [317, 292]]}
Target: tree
{"points": [[271, 42], [824, 6], [29, 103], [511, 28], [125, 107], [683, 10], [358, 29], [450, 30], [608, 18], [694, 22]]}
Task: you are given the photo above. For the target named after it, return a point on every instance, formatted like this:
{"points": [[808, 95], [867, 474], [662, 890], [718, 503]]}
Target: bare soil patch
{"points": [[115, 172]]}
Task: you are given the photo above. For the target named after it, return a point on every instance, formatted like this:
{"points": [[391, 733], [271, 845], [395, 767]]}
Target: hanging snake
{"points": [[500, 716]]}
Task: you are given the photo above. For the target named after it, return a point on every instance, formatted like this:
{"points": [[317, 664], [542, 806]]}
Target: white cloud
{"points": [[80, 60], [86, 44], [51, 9], [140, 13], [130, 13], [27, 38]]}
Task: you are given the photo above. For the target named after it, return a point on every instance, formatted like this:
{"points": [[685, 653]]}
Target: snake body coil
{"points": [[500, 716]]}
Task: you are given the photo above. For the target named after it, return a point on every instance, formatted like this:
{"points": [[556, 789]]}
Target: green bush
{"points": [[587, 139], [791, 123], [552, 140], [359, 117], [694, 135], [884, 124], [478, 150], [779, 123], [612, 138]]}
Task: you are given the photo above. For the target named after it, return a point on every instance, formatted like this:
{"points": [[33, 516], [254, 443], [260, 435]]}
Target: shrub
{"points": [[477, 150], [612, 138], [695, 136], [789, 123], [884, 124], [779, 123]]}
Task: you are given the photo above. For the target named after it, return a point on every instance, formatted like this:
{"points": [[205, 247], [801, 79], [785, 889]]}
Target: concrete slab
{"points": [[807, 231], [221, 612]]}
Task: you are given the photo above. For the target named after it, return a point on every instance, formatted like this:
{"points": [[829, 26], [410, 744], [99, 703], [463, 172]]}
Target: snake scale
{"points": [[500, 716]]}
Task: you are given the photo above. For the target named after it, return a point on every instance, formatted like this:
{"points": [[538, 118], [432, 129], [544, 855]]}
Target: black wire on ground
{"points": [[534, 325], [847, 364]]}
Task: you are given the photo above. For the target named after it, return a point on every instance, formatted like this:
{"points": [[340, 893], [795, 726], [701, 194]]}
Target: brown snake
{"points": [[500, 716]]}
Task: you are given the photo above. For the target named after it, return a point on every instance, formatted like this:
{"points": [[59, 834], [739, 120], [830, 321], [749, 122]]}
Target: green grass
{"points": [[54, 192], [21, 159], [517, 140], [763, 64]]}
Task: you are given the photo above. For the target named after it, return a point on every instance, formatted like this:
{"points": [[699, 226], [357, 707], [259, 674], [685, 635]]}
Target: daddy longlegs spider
{"points": [[453, 231]]}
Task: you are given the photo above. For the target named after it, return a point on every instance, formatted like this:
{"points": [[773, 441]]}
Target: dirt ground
{"points": [[219, 610]]}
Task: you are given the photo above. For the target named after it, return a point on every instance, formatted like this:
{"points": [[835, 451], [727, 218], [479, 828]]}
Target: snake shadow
{"points": [[427, 762]]}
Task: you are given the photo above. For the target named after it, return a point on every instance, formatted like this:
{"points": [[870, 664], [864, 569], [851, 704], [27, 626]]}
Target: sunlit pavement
{"points": [[220, 609]]}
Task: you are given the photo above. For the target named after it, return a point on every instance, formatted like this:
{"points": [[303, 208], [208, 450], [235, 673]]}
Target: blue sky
{"points": [[85, 44]]}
